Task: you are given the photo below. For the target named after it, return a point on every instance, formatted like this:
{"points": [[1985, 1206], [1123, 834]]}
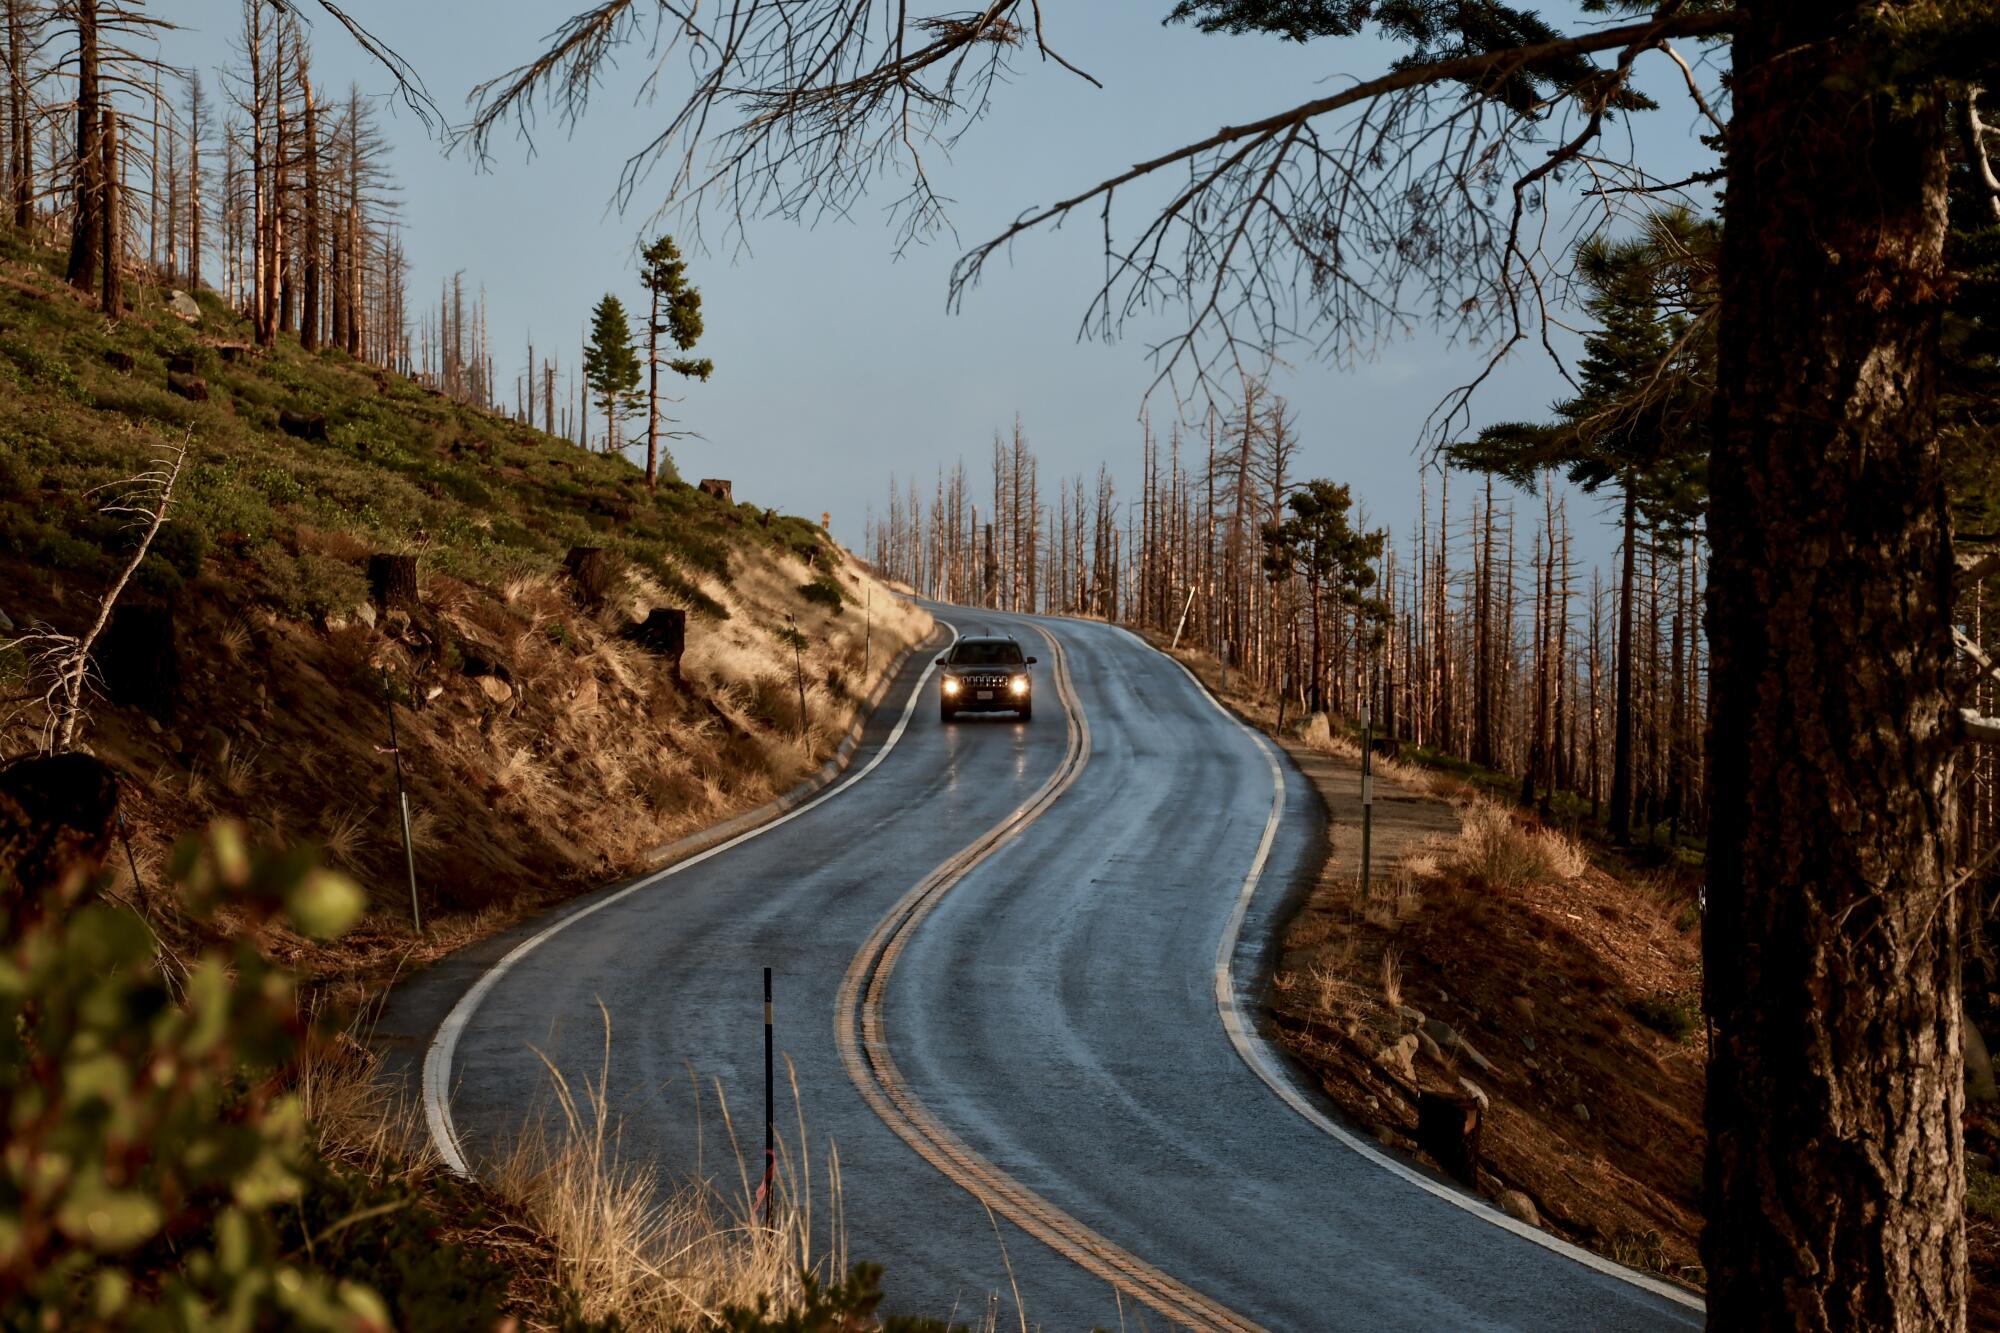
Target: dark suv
{"points": [[985, 674]]}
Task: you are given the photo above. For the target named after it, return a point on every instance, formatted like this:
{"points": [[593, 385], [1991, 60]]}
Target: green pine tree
{"points": [[679, 306], [1638, 423], [611, 367], [1318, 541]]}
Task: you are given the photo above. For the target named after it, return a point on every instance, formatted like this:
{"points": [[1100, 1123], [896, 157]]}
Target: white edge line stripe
{"points": [[444, 1045], [1255, 1050]]}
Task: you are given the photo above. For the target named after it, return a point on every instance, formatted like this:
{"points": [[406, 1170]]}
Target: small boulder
{"points": [[1523, 1007], [1400, 1057], [1446, 1036], [1477, 1093], [1429, 1046], [1581, 1112], [216, 744], [183, 307], [1979, 1082], [6, 623], [496, 689], [1519, 1207], [1410, 1015]]}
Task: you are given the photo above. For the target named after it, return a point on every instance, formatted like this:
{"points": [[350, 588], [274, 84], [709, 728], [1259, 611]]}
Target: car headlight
{"points": [[951, 685], [1018, 685]]}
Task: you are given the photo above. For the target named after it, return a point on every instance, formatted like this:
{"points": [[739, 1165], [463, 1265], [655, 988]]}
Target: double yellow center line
{"points": [[862, 1039]]}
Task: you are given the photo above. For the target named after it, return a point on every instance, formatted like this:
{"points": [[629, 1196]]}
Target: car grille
{"points": [[984, 681]]}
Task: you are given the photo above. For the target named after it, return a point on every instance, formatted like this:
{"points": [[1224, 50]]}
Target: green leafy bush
{"points": [[823, 591], [150, 1129]]}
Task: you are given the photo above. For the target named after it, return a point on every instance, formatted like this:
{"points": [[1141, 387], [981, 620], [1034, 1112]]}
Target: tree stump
{"points": [[138, 659], [720, 488], [57, 819], [1448, 1131], [181, 363], [120, 361], [190, 387], [392, 581], [663, 631], [591, 571], [303, 425]]}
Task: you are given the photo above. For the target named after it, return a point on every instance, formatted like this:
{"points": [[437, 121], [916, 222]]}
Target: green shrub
{"points": [[1982, 1194], [43, 368], [398, 1249], [56, 549], [150, 1132], [823, 591], [1676, 1016], [308, 584]]}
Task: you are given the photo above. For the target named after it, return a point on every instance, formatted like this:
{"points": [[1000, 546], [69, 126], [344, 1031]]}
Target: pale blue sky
{"points": [[837, 364]]}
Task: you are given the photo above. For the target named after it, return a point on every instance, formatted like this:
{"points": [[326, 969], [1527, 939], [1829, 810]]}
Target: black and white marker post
{"points": [[770, 1128], [799, 665], [402, 801], [1367, 780]]}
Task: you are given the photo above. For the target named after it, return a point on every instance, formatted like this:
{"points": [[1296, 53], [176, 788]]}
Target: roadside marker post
{"points": [[403, 802], [1369, 769], [799, 665], [770, 1126], [1367, 780]]}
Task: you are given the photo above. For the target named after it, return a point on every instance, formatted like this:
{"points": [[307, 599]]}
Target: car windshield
{"points": [[987, 652]]}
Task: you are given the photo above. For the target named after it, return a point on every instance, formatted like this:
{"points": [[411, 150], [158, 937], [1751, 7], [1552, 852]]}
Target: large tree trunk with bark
{"points": [[1834, 1175]]}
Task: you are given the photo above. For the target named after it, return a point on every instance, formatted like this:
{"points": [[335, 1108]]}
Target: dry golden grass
{"points": [[653, 1257], [1392, 979], [1495, 849], [345, 837]]}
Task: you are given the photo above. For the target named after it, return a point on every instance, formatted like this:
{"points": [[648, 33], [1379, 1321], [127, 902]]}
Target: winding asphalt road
{"points": [[1015, 967]]}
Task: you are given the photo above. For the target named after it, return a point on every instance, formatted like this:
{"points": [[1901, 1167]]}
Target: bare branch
{"points": [[147, 497]]}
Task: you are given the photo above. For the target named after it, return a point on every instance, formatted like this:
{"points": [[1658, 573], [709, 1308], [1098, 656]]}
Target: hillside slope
{"points": [[544, 749]]}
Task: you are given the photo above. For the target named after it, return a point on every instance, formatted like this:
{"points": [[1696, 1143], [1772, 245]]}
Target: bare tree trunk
{"points": [[112, 298], [653, 396], [1621, 743], [22, 130], [86, 236], [309, 312], [1835, 1173]]}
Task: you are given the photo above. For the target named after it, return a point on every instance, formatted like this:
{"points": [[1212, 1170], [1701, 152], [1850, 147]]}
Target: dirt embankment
{"points": [[1490, 953]]}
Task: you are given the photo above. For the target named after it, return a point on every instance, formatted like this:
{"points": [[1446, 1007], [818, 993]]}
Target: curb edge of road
{"points": [[667, 853], [1283, 1079]]}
